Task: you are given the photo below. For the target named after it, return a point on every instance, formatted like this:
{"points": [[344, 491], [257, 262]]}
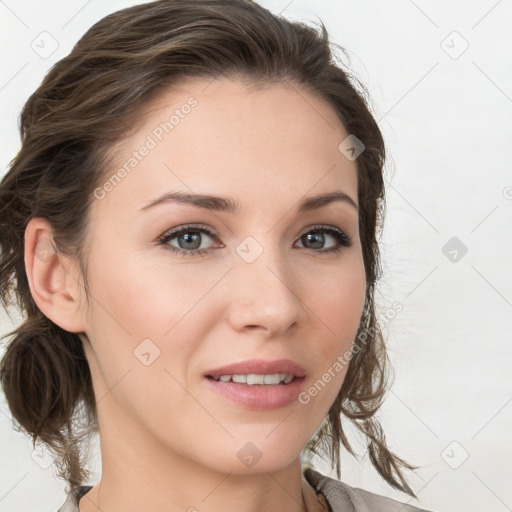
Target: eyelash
{"points": [[341, 237]]}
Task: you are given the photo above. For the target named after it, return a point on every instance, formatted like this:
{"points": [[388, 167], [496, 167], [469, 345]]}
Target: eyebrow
{"points": [[229, 205]]}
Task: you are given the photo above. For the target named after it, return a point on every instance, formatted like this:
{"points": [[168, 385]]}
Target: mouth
{"points": [[258, 371], [257, 392], [258, 384], [254, 379]]}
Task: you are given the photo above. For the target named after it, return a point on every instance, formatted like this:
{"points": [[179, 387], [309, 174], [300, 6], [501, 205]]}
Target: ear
{"points": [[52, 277]]}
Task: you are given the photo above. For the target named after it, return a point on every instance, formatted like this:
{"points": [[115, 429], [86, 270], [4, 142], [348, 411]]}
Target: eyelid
{"points": [[190, 226], [320, 227]]}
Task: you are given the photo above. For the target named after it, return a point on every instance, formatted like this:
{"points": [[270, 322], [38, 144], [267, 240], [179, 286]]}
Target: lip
{"points": [[259, 367], [259, 397]]}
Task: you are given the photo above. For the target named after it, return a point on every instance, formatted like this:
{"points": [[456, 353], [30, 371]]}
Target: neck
{"points": [[140, 473]]}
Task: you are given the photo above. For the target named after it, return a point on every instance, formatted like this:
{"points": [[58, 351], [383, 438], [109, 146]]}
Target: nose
{"points": [[264, 294]]}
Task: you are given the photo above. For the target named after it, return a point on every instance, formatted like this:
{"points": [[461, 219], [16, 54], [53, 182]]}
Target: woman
{"points": [[190, 227]]}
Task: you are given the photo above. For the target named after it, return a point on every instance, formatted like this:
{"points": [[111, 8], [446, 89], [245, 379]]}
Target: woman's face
{"points": [[259, 281]]}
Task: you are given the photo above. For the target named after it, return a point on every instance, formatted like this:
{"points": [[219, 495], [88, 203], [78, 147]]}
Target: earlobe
{"points": [[54, 287]]}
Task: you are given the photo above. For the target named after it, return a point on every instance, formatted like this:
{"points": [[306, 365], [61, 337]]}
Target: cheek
{"points": [[148, 323], [337, 298], [135, 302], [172, 308], [337, 305], [156, 297]]}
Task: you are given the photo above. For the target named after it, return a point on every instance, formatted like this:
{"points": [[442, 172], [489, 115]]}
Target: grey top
{"points": [[344, 498], [340, 496]]}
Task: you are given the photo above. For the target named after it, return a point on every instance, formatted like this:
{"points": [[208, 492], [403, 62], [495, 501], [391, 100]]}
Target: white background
{"points": [[446, 114]]}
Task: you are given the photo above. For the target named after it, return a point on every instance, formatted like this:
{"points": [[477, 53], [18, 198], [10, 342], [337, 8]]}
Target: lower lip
{"points": [[259, 396]]}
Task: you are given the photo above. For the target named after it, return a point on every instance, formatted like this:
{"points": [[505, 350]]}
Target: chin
{"points": [[257, 455]]}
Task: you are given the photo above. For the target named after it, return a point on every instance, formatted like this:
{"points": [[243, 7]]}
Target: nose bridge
{"points": [[263, 291]]}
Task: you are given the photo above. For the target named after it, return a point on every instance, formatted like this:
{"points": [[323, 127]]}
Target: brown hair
{"points": [[91, 99]]}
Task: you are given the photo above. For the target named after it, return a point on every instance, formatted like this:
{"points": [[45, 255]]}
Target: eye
{"points": [[189, 239], [316, 237]]}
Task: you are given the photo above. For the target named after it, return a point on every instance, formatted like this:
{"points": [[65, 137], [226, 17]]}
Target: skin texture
{"points": [[166, 437]]}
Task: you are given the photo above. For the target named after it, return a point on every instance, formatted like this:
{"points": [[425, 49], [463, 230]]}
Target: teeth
{"points": [[253, 378], [288, 379]]}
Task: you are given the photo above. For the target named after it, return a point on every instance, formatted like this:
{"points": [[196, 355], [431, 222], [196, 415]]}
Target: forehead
{"points": [[260, 145]]}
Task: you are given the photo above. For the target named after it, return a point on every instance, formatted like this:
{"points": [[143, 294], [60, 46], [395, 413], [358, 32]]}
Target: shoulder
{"points": [[343, 497], [71, 503]]}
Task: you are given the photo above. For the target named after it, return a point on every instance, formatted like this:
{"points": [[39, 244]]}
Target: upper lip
{"points": [[258, 367]]}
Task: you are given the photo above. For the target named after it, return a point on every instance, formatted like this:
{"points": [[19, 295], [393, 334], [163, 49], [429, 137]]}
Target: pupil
{"points": [[191, 238], [319, 239]]}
